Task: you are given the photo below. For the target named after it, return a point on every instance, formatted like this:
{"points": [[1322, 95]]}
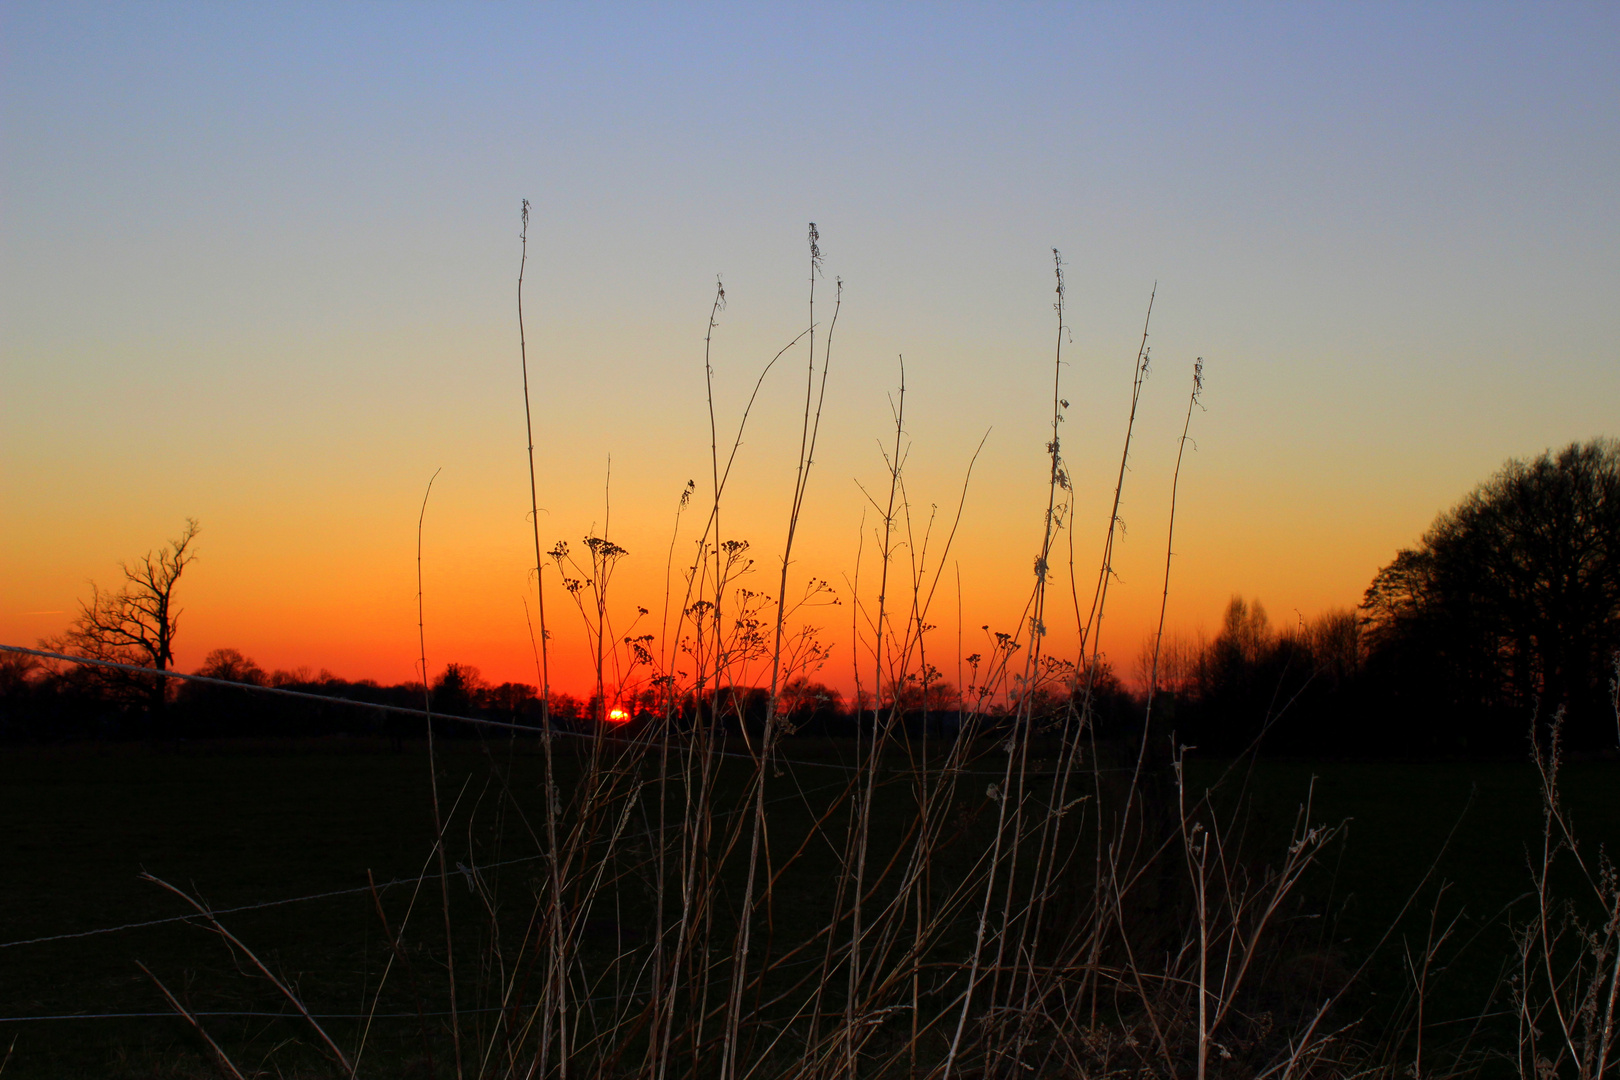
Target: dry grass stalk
{"points": [[1566, 992], [717, 901], [174, 1003], [237, 945], [433, 782]]}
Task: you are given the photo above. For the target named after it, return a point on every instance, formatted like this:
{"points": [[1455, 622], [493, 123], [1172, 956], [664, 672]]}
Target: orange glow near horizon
{"points": [[345, 600], [1378, 339], [617, 716]]}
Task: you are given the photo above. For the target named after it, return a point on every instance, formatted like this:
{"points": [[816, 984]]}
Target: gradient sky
{"points": [[257, 266]]}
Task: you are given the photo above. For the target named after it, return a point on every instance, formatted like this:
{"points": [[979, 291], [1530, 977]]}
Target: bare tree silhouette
{"points": [[137, 623]]}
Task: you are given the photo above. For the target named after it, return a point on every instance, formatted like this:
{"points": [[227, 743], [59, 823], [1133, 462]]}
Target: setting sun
{"points": [[1168, 434]]}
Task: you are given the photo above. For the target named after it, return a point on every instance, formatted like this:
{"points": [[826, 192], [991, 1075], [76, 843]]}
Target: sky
{"points": [[258, 267]]}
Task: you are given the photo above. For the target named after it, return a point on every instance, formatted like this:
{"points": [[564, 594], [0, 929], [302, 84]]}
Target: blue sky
{"points": [[256, 265]]}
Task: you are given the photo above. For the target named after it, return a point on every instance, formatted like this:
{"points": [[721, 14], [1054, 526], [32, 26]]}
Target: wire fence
{"points": [[462, 870], [245, 1014], [143, 924], [787, 762], [480, 721]]}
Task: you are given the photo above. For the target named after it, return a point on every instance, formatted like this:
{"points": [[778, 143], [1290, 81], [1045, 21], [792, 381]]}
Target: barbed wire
{"points": [[251, 907], [380, 707], [234, 1013], [466, 871], [227, 1014]]}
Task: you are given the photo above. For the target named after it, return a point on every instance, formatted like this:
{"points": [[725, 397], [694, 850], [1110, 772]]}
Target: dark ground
{"points": [[243, 823]]}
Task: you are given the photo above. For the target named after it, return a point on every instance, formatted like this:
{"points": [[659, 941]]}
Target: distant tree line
{"points": [[45, 700], [1506, 611]]}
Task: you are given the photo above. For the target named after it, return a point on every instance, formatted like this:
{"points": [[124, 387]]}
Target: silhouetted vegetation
{"points": [[1509, 607], [1296, 690], [1029, 871]]}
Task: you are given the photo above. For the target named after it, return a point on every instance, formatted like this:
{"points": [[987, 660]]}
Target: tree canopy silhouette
{"points": [[1510, 604]]}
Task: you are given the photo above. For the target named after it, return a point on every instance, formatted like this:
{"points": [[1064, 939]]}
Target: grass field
{"points": [[240, 824]]}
